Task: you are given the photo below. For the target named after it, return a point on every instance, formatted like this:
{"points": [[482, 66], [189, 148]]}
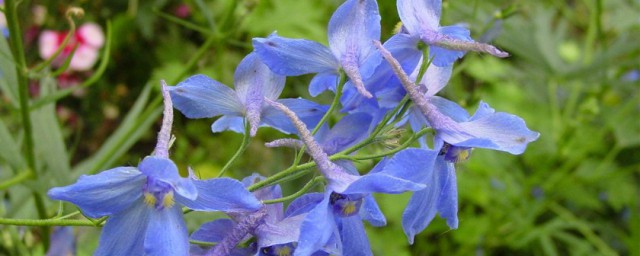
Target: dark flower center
{"points": [[279, 249], [455, 154], [158, 194], [345, 205]]}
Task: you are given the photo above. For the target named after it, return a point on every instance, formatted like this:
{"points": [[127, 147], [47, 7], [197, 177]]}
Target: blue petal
{"points": [[283, 232], [303, 204], [308, 111], [412, 164], [322, 82], [253, 78], [166, 233], [354, 238], [274, 211], [370, 212], [105, 193], [381, 183], [483, 110], [124, 233], [293, 57], [221, 194], [450, 109], [447, 203], [436, 78], [63, 242], [445, 57], [352, 29], [164, 169], [316, 229], [350, 130], [420, 210], [213, 231], [232, 123], [200, 96], [420, 15]]}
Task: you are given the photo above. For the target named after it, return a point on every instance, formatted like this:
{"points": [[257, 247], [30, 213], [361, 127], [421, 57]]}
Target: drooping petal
{"points": [[163, 169], [308, 111], [447, 204], [444, 57], [303, 204], [200, 96], [254, 81], [166, 233], [322, 82], [436, 78], [348, 131], [293, 57], [221, 194], [420, 211], [213, 231], [381, 183], [232, 123], [124, 232], [420, 15], [63, 242], [354, 238], [105, 193], [316, 229], [370, 211]]}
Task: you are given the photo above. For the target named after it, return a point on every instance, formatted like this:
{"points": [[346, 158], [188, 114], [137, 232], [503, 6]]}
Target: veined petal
{"points": [[283, 232], [381, 183], [124, 232], [354, 238], [316, 229], [221, 194], [213, 231], [447, 204], [353, 27], [322, 82], [308, 111], [412, 164], [105, 193], [450, 109], [418, 15], [293, 57], [483, 110], [347, 132], [444, 57], [420, 210], [166, 233], [303, 204], [200, 96], [370, 211], [232, 123], [436, 78]]}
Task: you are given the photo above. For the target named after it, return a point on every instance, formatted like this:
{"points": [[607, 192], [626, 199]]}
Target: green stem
{"points": [[45, 222], [404, 145], [182, 22], [303, 190], [22, 176], [245, 142], [582, 228], [65, 41]]}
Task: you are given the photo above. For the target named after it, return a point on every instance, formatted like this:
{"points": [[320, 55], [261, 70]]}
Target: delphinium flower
{"points": [[144, 203], [421, 19], [88, 39], [202, 97], [456, 133], [351, 29], [63, 242], [275, 235], [347, 200]]}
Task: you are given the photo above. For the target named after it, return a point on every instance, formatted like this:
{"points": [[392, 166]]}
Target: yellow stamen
{"points": [[463, 155], [349, 208], [149, 199], [167, 200], [284, 251]]}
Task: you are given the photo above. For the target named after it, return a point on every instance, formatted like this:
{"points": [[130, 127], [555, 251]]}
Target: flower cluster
{"points": [[378, 86]]}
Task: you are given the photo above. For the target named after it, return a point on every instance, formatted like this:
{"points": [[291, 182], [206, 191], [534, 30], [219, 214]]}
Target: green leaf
{"points": [[8, 80], [10, 151]]}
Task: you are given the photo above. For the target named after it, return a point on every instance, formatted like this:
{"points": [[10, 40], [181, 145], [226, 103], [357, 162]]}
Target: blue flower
{"points": [[63, 242], [144, 203], [202, 97], [351, 29], [421, 19], [347, 200]]}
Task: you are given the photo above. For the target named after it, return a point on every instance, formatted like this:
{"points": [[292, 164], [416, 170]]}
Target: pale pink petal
{"points": [[48, 43], [84, 58], [91, 34]]}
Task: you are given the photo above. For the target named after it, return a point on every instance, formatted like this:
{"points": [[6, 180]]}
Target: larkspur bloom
{"points": [[202, 97], [144, 203], [88, 39], [421, 19], [63, 242], [456, 133], [347, 200], [351, 29], [276, 234]]}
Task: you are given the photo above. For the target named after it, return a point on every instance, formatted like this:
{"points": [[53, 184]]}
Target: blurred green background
{"points": [[573, 76]]}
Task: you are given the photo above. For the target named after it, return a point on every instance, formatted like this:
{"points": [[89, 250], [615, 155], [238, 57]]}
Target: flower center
{"points": [[279, 249], [158, 194], [345, 205], [455, 154]]}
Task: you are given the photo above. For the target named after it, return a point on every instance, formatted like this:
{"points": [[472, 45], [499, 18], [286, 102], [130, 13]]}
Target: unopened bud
{"points": [[75, 12]]}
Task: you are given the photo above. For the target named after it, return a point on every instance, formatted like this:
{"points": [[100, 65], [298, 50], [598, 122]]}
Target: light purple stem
{"points": [[290, 143], [246, 224], [164, 136]]}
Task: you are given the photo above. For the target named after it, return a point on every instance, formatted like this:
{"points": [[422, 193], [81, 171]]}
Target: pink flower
{"points": [[89, 38]]}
